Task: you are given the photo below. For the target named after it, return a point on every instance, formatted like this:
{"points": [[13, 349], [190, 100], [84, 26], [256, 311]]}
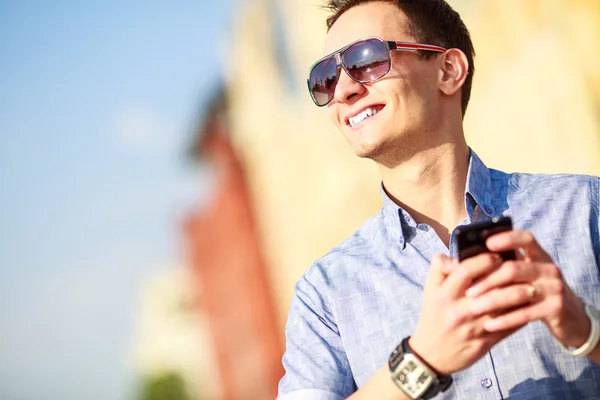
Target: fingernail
{"points": [[471, 292]]}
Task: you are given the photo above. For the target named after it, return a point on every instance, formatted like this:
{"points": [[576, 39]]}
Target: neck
{"points": [[430, 185]]}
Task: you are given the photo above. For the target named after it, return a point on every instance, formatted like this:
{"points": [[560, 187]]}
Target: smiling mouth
{"points": [[363, 115]]}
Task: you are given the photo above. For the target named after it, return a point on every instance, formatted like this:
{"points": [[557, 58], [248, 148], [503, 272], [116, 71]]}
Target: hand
{"points": [[531, 288], [449, 336]]}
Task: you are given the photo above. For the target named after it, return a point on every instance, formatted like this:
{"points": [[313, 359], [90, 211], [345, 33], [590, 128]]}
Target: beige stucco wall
{"points": [[171, 336], [536, 94], [534, 108]]}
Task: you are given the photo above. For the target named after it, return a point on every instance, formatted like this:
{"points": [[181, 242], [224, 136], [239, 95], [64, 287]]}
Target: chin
{"points": [[384, 151], [368, 150], [368, 143]]}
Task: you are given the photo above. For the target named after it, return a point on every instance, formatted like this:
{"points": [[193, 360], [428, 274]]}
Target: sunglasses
{"points": [[365, 60]]}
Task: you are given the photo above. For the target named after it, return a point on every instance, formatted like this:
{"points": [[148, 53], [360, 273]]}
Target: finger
{"points": [[515, 240], [463, 276], [436, 275], [448, 265], [508, 272], [502, 299], [518, 317], [497, 336]]}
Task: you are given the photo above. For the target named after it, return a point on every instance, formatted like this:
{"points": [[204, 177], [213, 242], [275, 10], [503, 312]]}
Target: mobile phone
{"points": [[470, 239]]}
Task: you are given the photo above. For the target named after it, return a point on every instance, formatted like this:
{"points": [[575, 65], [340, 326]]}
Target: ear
{"points": [[453, 72]]}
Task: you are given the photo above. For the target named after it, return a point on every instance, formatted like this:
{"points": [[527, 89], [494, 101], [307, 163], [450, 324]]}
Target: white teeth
{"points": [[366, 113]]}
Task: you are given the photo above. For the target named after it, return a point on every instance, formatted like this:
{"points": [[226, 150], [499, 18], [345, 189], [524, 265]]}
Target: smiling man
{"points": [[390, 313]]}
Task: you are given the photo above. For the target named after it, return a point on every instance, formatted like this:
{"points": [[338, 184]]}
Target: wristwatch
{"points": [[586, 348], [416, 378]]}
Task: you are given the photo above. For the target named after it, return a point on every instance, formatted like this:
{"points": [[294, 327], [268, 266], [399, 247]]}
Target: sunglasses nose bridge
{"points": [[338, 58]]}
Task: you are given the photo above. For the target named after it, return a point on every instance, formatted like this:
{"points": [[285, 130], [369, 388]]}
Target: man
{"points": [[390, 313]]}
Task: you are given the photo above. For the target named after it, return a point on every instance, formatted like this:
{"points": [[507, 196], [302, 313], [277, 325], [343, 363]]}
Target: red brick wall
{"points": [[223, 246]]}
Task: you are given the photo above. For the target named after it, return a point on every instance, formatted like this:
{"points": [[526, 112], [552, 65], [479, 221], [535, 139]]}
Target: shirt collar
{"points": [[478, 191], [400, 225]]}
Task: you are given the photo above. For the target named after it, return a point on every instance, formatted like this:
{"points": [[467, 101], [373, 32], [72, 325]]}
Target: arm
{"points": [[447, 337], [380, 387], [315, 361]]}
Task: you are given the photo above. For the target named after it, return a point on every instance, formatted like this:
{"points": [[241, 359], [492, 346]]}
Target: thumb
{"points": [[441, 266], [448, 265]]}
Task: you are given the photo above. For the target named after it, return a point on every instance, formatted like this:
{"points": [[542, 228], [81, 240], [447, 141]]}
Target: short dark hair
{"points": [[431, 22]]}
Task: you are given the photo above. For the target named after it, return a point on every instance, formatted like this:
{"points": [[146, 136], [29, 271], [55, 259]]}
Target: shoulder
{"points": [[541, 183], [530, 199]]}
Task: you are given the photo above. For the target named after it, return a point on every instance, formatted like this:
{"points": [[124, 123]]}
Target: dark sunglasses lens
{"points": [[367, 61], [322, 80]]}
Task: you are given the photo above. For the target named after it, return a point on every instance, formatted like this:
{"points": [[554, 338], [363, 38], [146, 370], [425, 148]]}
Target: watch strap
{"points": [[593, 339], [442, 382]]}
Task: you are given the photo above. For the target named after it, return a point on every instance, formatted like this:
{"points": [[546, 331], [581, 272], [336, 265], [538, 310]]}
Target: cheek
{"points": [[333, 114], [409, 83], [413, 98], [426, 85]]}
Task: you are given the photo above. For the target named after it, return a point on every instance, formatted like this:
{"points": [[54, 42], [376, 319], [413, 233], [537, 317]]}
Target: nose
{"points": [[347, 88]]}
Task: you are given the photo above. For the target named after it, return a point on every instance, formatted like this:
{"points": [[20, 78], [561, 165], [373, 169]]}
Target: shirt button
{"points": [[486, 383]]}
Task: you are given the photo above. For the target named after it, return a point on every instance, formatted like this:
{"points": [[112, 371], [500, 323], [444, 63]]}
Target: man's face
{"points": [[406, 98]]}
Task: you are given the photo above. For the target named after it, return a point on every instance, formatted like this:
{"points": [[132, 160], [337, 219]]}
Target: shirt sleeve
{"points": [[315, 361]]}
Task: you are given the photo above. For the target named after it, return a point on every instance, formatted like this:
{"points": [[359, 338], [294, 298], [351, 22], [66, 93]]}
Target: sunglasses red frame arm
{"points": [[414, 46]]}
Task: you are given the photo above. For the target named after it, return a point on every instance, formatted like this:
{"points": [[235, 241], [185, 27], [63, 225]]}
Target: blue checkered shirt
{"points": [[354, 305]]}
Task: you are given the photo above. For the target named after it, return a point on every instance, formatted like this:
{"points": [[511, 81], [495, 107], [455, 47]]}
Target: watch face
{"points": [[412, 377]]}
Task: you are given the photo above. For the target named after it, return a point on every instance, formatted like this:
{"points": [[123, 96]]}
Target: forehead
{"points": [[375, 18]]}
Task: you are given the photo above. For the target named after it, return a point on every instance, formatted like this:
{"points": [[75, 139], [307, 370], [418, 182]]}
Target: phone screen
{"points": [[471, 239]]}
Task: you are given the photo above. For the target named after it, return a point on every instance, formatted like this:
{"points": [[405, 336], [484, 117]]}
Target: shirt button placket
{"points": [[486, 383]]}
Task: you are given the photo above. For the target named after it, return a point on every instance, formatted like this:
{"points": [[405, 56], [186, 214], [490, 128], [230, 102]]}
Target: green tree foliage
{"points": [[168, 386]]}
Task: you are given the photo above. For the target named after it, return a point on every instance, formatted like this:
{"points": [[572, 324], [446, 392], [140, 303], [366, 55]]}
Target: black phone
{"points": [[470, 239]]}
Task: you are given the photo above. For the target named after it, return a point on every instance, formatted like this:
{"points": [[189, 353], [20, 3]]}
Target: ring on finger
{"points": [[531, 290]]}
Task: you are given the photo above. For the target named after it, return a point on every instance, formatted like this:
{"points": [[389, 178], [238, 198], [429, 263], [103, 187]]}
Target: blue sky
{"points": [[97, 104]]}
